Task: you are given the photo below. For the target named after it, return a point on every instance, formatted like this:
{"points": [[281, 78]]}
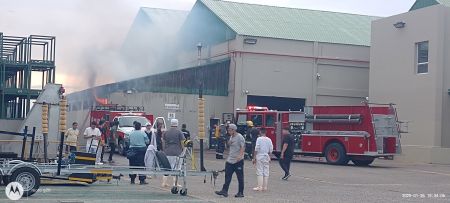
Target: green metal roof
{"points": [[444, 2], [426, 3], [293, 23]]}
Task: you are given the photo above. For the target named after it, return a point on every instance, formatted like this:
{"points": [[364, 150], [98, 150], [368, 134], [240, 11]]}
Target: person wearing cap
{"points": [[235, 162], [172, 140]]}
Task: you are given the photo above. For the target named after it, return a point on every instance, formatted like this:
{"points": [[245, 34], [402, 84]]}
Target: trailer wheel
{"points": [[121, 148], [183, 192], [363, 161], [335, 154], [29, 179]]}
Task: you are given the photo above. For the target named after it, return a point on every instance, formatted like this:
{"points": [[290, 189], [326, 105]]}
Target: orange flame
{"points": [[101, 101]]}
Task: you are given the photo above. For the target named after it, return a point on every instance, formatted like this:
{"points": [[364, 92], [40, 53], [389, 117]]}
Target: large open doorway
{"points": [[276, 103]]}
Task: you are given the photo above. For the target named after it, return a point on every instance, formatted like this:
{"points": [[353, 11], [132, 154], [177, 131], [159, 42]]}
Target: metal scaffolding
{"points": [[20, 59]]}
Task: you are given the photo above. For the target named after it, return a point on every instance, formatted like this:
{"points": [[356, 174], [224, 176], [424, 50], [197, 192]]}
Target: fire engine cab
{"points": [[338, 133], [126, 115]]}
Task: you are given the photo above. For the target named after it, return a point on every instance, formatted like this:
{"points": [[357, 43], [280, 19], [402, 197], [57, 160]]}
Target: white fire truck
{"points": [[338, 133]]}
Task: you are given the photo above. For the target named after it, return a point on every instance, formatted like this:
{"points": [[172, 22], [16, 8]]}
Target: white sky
{"points": [[81, 26]]}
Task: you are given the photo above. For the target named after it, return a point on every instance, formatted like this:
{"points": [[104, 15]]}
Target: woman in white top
{"points": [[263, 149]]}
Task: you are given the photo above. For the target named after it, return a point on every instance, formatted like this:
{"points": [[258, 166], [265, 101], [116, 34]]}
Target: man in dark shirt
{"points": [[112, 139], [102, 127], [250, 139], [287, 153], [220, 148], [254, 133], [186, 133]]}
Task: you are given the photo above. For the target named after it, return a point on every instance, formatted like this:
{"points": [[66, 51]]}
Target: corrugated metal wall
{"points": [[215, 78]]}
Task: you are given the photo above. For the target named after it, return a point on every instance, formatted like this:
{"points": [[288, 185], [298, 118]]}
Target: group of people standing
{"points": [[169, 142], [96, 139], [261, 148]]}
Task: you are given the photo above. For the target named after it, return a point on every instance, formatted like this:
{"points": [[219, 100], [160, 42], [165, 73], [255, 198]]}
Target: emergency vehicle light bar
{"points": [[257, 108]]}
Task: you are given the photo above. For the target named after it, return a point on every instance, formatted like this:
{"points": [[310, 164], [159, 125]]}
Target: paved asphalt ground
{"points": [[384, 181]]}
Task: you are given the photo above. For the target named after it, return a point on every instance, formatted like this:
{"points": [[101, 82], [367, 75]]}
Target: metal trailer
{"points": [[28, 174]]}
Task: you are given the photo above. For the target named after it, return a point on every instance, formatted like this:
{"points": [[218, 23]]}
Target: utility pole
{"points": [[45, 129], [201, 111]]}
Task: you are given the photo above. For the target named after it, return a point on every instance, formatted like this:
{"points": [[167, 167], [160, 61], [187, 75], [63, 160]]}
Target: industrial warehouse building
{"points": [[410, 67], [286, 58], [282, 58]]}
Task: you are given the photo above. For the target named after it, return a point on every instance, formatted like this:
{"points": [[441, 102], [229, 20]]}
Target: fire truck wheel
{"points": [[363, 161], [121, 148], [335, 154]]}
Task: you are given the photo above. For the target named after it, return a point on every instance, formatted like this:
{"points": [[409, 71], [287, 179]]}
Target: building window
{"points": [[422, 57]]}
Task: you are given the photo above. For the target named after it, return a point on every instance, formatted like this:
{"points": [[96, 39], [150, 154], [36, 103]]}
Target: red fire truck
{"points": [[338, 133], [126, 115]]}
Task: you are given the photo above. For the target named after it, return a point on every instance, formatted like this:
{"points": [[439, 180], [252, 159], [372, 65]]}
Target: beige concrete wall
{"points": [[275, 76], [419, 98], [425, 154], [348, 82], [286, 68], [445, 140]]}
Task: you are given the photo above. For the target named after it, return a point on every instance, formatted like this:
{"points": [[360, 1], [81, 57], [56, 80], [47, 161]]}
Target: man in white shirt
{"points": [[93, 136], [263, 149]]}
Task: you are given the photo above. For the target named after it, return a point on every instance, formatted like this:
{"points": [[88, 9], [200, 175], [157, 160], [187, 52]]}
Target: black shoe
{"points": [[132, 182], [238, 195], [286, 177], [143, 183], [225, 194]]}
